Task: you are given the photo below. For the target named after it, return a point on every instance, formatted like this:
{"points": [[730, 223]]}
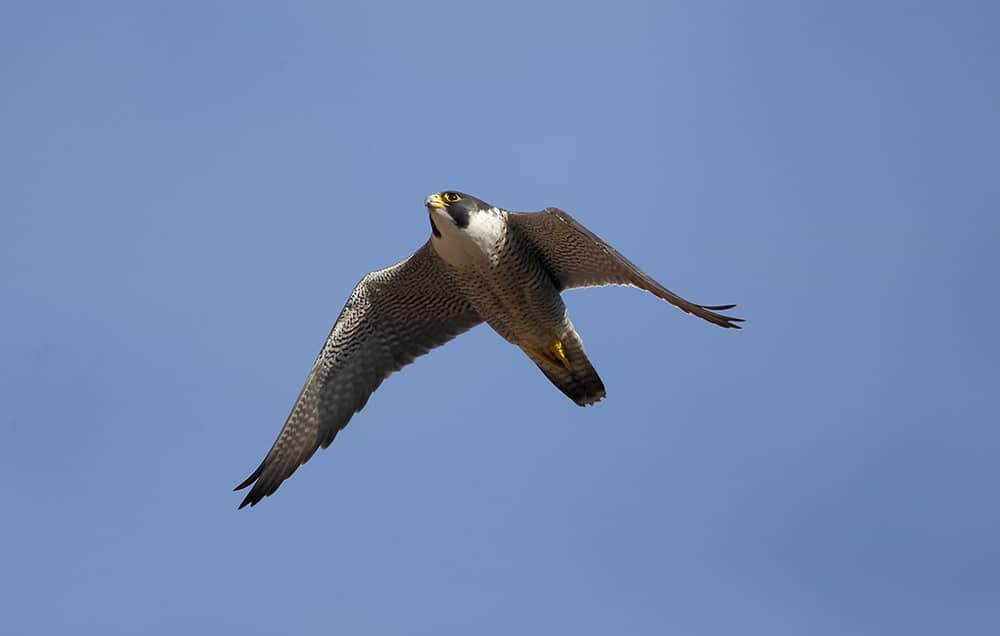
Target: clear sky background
{"points": [[190, 192]]}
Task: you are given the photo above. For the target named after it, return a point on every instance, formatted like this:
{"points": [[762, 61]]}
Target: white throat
{"points": [[479, 243]]}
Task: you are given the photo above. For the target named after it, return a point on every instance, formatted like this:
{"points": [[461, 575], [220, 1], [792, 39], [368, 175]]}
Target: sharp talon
{"points": [[557, 351], [554, 354]]}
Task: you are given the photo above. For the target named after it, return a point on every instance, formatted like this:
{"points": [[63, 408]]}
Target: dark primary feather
{"points": [[577, 257], [393, 316]]}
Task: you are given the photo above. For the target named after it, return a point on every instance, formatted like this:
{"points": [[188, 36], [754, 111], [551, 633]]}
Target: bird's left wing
{"points": [[393, 316], [576, 257]]}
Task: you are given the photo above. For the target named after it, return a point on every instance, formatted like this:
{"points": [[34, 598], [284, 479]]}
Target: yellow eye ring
{"points": [[451, 197]]}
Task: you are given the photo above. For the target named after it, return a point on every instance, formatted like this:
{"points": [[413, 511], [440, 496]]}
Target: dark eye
{"points": [[451, 197]]}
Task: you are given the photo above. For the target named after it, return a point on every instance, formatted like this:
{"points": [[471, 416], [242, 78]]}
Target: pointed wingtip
{"points": [[253, 496], [717, 307], [727, 322], [252, 499], [247, 501], [253, 476], [249, 480]]}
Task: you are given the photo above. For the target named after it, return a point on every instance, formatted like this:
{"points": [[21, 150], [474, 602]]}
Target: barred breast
{"points": [[514, 293]]}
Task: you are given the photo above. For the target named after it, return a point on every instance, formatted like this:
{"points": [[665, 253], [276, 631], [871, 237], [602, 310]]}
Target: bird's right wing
{"points": [[576, 257], [393, 316]]}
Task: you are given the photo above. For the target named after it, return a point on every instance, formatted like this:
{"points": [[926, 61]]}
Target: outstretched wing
{"points": [[393, 316], [576, 257]]}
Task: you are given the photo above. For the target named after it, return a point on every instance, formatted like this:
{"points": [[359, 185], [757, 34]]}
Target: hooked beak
{"points": [[435, 201]]}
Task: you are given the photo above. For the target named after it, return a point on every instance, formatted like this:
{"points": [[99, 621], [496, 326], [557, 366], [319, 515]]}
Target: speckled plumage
{"points": [[481, 263], [393, 316]]}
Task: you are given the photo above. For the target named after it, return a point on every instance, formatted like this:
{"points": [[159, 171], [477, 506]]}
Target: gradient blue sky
{"points": [[191, 190]]}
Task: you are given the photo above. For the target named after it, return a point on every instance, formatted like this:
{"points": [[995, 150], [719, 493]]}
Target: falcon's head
{"points": [[454, 208], [465, 228]]}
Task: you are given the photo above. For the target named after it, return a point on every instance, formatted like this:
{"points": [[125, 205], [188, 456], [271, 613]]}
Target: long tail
{"points": [[566, 365]]}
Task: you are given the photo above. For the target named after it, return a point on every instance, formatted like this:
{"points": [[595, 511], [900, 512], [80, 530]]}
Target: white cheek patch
{"points": [[487, 230], [477, 243]]}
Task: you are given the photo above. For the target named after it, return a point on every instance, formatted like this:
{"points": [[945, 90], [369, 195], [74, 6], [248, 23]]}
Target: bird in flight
{"points": [[481, 264]]}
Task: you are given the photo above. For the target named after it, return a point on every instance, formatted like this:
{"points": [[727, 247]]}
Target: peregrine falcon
{"points": [[481, 264]]}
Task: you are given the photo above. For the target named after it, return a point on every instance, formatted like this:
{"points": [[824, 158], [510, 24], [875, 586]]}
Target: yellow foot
{"points": [[554, 353]]}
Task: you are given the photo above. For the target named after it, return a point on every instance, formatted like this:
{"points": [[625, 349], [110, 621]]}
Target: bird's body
{"points": [[481, 264], [509, 287]]}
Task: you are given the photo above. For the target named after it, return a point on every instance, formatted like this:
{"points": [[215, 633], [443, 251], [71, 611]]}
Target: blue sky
{"points": [[190, 192]]}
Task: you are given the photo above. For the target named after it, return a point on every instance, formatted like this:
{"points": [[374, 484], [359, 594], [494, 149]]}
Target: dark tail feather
{"points": [[580, 381]]}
